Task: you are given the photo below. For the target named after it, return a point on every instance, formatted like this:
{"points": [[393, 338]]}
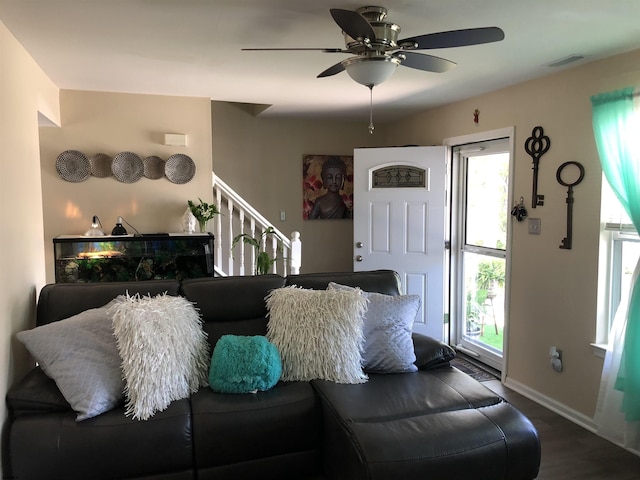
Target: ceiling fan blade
{"points": [[428, 63], [324, 50], [333, 70], [353, 24], [456, 38]]}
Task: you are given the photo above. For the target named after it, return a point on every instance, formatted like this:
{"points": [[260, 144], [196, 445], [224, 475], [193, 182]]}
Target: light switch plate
{"points": [[534, 226]]}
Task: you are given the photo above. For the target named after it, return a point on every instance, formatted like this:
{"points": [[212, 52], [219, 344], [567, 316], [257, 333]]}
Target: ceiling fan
{"points": [[378, 52]]}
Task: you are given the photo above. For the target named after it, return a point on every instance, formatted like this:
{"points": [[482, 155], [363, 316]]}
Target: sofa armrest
{"points": [[430, 352]]}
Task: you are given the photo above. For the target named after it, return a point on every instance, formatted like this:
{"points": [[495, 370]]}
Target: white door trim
{"points": [[450, 143]]}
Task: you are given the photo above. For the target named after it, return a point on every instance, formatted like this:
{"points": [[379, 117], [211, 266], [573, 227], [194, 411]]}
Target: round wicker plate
{"points": [[127, 167], [179, 168], [101, 165], [153, 167], [73, 166]]}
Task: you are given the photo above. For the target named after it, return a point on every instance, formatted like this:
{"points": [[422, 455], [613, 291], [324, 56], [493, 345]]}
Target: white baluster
{"points": [[274, 251], [218, 230], [252, 232], [241, 218], [230, 233], [296, 253], [285, 259]]}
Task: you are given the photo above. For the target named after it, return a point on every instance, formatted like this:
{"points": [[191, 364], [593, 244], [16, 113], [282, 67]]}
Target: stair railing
{"points": [[239, 217]]}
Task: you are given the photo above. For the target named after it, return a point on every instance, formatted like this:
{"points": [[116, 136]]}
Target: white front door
{"points": [[399, 223]]}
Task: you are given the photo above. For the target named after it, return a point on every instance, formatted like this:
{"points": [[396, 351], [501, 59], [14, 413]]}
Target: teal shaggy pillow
{"points": [[241, 364]]}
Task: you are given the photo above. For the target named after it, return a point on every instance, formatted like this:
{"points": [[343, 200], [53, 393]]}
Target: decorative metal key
{"points": [[537, 145], [566, 241]]}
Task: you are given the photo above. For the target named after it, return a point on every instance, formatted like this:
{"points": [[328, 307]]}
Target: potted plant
{"points": [[263, 259], [203, 212]]}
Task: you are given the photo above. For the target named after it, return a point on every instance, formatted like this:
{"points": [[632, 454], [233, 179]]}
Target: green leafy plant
{"points": [[203, 212], [263, 259], [490, 274]]}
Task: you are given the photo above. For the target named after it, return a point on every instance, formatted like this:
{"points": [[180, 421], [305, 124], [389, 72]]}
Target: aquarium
{"points": [[83, 259]]}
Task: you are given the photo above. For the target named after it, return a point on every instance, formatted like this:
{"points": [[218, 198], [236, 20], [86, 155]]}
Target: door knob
{"points": [[358, 258], [358, 244]]}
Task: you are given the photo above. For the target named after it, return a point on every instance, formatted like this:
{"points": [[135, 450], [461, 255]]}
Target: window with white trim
{"points": [[621, 250]]}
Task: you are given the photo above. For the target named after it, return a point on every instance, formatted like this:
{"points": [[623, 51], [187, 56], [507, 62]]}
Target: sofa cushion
{"points": [[243, 364], [388, 323], [318, 333], [231, 430], [80, 355], [164, 351], [231, 305], [379, 281], [109, 446], [58, 301]]}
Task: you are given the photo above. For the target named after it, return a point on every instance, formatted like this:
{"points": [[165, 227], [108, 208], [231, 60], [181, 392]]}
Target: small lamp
{"points": [[119, 229], [96, 228]]}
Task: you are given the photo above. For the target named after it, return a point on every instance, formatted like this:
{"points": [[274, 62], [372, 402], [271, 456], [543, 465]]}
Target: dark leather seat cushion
{"points": [[232, 428], [104, 447], [439, 420]]}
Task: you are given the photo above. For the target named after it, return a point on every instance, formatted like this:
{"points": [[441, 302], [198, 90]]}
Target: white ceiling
{"points": [[192, 48]]}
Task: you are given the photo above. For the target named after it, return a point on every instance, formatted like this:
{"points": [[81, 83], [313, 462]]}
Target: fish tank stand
{"points": [[118, 258]]}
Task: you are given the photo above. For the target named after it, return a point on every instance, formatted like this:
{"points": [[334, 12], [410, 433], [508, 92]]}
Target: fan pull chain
{"points": [[371, 127]]}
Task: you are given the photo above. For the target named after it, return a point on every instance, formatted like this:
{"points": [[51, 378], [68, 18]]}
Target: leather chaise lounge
{"points": [[434, 423]]}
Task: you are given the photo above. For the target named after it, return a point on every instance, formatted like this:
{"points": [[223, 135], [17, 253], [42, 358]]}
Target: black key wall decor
{"points": [[566, 241], [537, 145]]}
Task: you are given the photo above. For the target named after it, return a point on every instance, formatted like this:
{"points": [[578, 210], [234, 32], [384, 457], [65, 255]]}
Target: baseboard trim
{"points": [[570, 414]]}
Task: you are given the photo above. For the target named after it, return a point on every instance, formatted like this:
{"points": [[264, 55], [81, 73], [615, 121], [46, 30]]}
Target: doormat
{"points": [[475, 372]]}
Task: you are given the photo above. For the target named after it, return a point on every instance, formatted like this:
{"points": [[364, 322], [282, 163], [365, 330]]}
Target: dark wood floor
{"points": [[570, 452]]}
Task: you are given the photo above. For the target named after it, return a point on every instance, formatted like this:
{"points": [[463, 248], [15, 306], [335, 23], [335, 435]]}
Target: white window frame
{"points": [[616, 231]]}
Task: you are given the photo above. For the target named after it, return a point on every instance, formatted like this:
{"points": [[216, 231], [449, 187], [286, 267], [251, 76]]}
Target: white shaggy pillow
{"points": [[318, 333], [163, 348]]}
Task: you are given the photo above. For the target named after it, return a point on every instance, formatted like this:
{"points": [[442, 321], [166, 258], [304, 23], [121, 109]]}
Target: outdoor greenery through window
{"points": [[483, 252]]}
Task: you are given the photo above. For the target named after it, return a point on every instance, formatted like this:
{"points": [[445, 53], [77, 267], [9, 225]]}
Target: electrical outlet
{"points": [[555, 356], [534, 226]]}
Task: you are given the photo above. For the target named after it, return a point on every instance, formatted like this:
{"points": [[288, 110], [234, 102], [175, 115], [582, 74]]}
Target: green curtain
{"points": [[617, 131]]}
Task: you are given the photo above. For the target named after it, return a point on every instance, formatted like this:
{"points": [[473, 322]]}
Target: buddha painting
{"points": [[328, 187]]}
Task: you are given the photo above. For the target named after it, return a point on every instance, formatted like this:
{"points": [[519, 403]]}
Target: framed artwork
{"points": [[327, 187]]}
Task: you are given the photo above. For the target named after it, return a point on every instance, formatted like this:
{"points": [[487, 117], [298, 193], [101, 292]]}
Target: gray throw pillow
{"points": [[81, 356], [388, 324]]}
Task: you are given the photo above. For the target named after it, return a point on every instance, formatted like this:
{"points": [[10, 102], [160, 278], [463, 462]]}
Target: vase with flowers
{"points": [[203, 212]]}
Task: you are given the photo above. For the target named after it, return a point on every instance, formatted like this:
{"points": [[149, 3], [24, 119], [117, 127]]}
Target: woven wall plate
{"points": [[179, 168], [73, 166], [127, 167], [101, 165], [153, 167]]}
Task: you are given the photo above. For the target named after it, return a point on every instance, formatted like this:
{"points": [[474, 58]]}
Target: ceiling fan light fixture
{"points": [[371, 70]]}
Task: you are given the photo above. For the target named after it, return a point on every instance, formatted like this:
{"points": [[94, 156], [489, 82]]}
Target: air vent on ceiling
{"points": [[566, 60]]}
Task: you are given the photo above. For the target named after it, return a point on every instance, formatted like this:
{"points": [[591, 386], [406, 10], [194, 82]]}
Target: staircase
{"points": [[238, 217]]}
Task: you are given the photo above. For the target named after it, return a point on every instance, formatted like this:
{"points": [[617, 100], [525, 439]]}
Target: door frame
{"points": [[455, 234]]}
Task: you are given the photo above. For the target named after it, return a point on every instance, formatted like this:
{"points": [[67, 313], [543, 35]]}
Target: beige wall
{"points": [[95, 122], [262, 160], [24, 91], [553, 291]]}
